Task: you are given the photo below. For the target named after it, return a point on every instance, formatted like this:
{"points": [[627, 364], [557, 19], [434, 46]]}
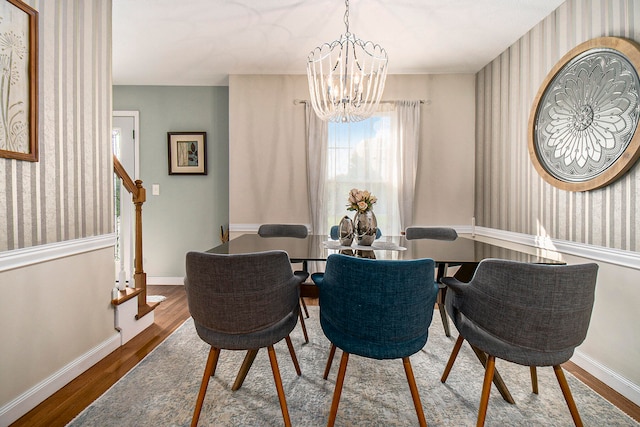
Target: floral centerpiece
{"points": [[360, 200], [365, 224]]}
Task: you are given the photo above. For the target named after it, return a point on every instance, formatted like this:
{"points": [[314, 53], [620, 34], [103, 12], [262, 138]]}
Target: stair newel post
{"points": [[140, 277]]}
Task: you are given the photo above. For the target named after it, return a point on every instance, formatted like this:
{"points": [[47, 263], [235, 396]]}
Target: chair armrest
{"points": [[317, 278], [454, 284], [301, 275]]}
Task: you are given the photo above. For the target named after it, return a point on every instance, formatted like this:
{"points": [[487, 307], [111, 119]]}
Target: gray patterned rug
{"points": [[161, 390]]}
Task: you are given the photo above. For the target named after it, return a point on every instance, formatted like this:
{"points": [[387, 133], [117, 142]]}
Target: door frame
{"points": [[129, 252]]}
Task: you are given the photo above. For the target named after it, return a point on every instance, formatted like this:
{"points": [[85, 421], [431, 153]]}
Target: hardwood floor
{"points": [[68, 402]]}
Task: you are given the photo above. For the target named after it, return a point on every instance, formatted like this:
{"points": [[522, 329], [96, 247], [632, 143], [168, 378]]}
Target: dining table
{"points": [[466, 252]]}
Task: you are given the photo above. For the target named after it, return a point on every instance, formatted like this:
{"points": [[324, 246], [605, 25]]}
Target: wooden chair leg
{"points": [[304, 307], [292, 352], [486, 390], [279, 388], [497, 379], [338, 390], [452, 358], [414, 391], [566, 392], [244, 369], [209, 370], [304, 327], [327, 368], [534, 379]]}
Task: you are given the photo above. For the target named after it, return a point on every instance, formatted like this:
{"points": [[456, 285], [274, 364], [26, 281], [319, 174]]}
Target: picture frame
{"points": [[19, 92], [187, 153]]}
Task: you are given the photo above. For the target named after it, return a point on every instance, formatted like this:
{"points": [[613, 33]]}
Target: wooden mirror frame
{"points": [[629, 49]]}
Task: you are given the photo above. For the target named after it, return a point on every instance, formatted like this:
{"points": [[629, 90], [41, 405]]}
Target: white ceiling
{"points": [[201, 42]]}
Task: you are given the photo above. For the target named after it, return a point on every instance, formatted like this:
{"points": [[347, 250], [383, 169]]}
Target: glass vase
{"points": [[365, 227], [345, 231]]}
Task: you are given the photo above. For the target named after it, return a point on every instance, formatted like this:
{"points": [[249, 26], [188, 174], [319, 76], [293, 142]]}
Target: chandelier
{"points": [[346, 77]]}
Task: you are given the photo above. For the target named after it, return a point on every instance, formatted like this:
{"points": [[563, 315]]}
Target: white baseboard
{"points": [[620, 384], [40, 392], [154, 280]]}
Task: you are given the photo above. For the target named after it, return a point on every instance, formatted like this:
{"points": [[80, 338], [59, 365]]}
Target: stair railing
{"points": [[139, 196]]}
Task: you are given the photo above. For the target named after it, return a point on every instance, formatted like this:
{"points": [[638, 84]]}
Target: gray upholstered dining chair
{"points": [[242, 302], [283, 230], [298, 231], [379, 309], [529, 314], [436, 233]]}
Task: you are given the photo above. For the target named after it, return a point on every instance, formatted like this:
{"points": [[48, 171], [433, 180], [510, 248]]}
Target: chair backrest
{"points": [[377, 308], [283, 230], [537, 306], [334, 233], [436, 233], [243, 293]]}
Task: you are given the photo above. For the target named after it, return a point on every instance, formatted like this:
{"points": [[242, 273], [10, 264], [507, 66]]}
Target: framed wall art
{"points": [[583, 127], [19, 85], [187, 153]]}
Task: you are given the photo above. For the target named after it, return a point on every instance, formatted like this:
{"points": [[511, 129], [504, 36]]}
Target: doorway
{"points": [[124, 138]]}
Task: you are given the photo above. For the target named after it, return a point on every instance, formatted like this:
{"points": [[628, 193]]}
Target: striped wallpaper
{"points": [[510, 195], [67, 194]]}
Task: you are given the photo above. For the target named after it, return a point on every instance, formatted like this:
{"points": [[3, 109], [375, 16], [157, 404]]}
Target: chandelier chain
{"points": [[346, 16]]}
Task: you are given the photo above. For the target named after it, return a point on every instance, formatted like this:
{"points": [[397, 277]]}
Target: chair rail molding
{"points": [[619, 257], [18, 258]]}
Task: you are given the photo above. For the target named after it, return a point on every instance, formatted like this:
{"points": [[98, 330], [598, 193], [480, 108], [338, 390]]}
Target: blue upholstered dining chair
{"points": [[242, 302], [529, 314], [379, 309], [436, 233], [298, 231]]}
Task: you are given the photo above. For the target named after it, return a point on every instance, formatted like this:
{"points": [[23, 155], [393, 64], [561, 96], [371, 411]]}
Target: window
{"points": [[364, 155]]}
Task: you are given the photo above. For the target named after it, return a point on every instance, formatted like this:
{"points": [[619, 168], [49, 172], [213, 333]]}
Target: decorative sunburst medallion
{"points": [[583, 124]]}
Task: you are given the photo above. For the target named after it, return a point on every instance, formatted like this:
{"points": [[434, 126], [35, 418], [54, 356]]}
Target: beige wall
{"points": [[267, 148], [512, 197], [53, 313]]}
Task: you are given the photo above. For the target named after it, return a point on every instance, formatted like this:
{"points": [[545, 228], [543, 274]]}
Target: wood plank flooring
{"points": [[68, 402]]}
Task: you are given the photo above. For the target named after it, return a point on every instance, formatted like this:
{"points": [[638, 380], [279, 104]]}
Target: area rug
{"points": [[161, 390]]}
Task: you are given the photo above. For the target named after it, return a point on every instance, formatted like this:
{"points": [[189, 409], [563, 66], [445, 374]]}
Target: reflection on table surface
{"points": [[314, 248]]}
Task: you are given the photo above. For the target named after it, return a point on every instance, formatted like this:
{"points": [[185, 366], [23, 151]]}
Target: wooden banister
{"points": [[139, 196]]}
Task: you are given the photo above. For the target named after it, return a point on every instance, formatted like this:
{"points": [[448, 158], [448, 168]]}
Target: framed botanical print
{"points": [[19, 84], [187, 153]]}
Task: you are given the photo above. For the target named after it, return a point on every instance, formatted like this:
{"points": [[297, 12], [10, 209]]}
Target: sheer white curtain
{"points": [[378, 154], [316, 167], [408, 134]]}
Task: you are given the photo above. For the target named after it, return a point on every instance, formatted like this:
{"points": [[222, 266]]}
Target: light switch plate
{"points": [[155, 189]]}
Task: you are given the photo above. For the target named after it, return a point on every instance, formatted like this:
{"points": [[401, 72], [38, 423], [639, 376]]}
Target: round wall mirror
{"points": [[583, 124]]}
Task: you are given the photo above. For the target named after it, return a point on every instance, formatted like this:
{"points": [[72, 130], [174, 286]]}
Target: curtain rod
{"points": [[422, 101]]}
